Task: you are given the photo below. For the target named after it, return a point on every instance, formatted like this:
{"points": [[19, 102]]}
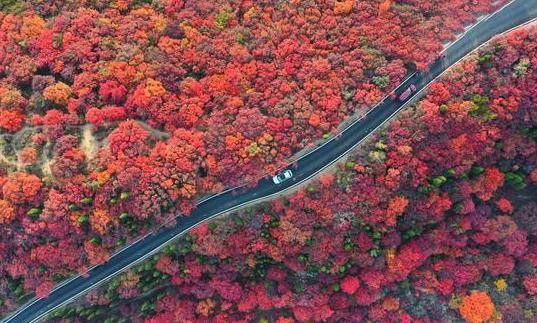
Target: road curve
{"points": [[514, 14]]}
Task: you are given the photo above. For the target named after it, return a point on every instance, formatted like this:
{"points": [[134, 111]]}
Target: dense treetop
{"points": [[434, 221], [116, 115]]}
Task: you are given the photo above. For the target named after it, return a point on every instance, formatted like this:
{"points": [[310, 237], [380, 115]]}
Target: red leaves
{"points": [[113, 92], [95, 116], [374, 279], [436, 206], [166, 265], [96, 253], [530, 284], [248, 303], [28, 156], [128, 138], [101, 221], [58, 93], [499, 264], [385, 6], [21, 187], [365, 296], [396, 207], [7, 212], [314, 120], [439, 93], [11, 121], [108, 114], [343, 7], [129, 285], [465, 274], [229, 291], [477, 307], [54, 117], [516, 243], [350, 284], [316, 312], [43, 289], [488, 183], [504, 205], [226, 105], [409, 257]]}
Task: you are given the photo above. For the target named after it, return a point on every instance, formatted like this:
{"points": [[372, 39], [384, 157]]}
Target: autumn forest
{"points": [[117, 116]]}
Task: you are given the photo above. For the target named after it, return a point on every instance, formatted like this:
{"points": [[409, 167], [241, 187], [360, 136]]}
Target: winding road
{"points": [[513, 14]]}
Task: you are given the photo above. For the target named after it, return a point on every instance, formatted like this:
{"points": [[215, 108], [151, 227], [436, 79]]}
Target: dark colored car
{"points": [[405, 95]]}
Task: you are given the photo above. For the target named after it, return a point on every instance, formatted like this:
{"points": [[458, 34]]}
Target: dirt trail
{"points": [[89, 144], [157, 134], [4, 160], [45, 166]]}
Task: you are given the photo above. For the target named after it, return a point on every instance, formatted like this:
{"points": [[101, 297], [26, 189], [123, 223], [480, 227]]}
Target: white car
{"points": [[282, 177]]}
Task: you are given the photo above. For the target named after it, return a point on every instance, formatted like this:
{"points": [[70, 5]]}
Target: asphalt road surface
{"points": [[512, 15]]}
